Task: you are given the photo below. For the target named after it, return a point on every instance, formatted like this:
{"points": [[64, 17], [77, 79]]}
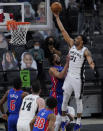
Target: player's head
{"points": [[36, 87], [51, 103], [80, 40], [28, 60], [17, 83], [55, 59]]}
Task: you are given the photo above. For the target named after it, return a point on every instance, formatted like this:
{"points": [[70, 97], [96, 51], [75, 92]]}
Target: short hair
{"points": [[84, 38], [36, 86], [51, 102], [17, 83]]}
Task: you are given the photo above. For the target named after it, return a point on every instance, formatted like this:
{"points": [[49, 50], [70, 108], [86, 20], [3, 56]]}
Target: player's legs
{"points": [[77, 92], [67, 93], [12, 122], [66, 96]]}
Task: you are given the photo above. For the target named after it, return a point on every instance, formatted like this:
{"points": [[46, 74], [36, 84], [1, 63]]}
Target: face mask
{"points": [[36, 47]]}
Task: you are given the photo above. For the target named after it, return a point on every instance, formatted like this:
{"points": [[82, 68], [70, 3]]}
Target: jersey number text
{"points": [[39, 123]]}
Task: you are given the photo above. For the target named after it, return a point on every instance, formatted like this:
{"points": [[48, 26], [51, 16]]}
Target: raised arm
{"points": [[53, 71], [88, 56], [66, 36]]}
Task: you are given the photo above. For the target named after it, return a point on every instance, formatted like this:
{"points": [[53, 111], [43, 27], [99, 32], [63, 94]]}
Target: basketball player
{"points": [[30, 105], [73, 82], [45, 119], [57, 74], [14, 98]]}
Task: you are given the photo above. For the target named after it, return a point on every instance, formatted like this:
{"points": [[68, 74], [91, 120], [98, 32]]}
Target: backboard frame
{"points": [[47, 26]]}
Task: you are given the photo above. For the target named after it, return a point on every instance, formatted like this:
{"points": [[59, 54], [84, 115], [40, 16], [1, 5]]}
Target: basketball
{"points": [[56, 7]]}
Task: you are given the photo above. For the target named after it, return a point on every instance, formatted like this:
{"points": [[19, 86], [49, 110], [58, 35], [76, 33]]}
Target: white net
{"points": [[18, 33]]}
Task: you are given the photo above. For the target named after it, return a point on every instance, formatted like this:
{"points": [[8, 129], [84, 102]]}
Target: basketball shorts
{"points": [[72, 84], [12, 122]]}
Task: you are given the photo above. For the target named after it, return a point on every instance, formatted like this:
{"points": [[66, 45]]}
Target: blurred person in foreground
{"points": [[14, 98]]}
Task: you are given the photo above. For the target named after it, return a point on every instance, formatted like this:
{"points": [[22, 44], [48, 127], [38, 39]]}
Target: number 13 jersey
{"points": [[29, 107], [76, 61]]}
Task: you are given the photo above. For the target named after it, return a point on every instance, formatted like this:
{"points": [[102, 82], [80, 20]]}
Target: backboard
{"points": [[37, 13]]}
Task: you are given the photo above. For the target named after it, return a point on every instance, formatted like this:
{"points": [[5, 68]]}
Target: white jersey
{"points": [[28, 108], [76, 61]]}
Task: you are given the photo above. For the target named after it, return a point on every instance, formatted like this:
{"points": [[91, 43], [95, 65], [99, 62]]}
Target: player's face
{"points": [[78, 41], [28, 60], [8, 57], [56, 59]]}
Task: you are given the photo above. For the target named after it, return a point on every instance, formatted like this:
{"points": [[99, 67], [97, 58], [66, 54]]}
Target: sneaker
{"points": [[63, 126], [77, 126]]}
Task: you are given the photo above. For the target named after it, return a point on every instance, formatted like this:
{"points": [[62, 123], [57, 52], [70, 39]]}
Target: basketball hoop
{"points": [[18, 32]]}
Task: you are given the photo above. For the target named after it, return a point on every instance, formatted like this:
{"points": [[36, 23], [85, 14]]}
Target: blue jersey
{"points": [[14, 101], [41, 123], [56, 90], [57, 83]]}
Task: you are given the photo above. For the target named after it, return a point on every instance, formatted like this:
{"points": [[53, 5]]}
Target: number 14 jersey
{"points": [[29, 107]]}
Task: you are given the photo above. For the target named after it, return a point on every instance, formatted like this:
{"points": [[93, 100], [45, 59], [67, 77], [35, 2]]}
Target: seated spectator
{"points": [[9, 62], [50, 47], [41, 15], [3, 47], [37, 52], [3, 42], [29, 13], [27, 61]]}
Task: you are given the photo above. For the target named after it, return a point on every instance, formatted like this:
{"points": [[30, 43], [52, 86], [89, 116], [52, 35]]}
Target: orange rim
{"points": [[13, 24]]}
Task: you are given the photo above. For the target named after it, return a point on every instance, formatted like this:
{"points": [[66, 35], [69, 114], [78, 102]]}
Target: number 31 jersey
{"points": [[76, 61], [29, 107]]}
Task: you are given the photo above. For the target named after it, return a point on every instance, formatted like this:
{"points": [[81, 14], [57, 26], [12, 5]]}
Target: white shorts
{"points": [[72, 84], [23, 125]]}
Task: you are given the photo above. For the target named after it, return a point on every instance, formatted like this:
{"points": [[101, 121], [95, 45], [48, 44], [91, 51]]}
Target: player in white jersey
{"points": [[73, 82], [30, 105]]}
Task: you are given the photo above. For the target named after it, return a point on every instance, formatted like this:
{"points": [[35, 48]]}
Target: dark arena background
{"points": [[78, 17]]}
